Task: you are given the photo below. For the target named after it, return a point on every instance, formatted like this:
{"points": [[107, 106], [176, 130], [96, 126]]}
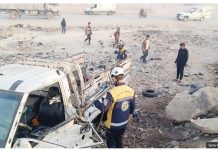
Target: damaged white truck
{"points": [[48, 104]]}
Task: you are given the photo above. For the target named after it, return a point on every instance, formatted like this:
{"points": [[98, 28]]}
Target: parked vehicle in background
{"points": [[17, 10], [199, 13], [108, 9]]}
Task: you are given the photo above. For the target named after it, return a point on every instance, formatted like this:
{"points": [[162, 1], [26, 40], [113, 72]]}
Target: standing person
{"points": [[118, 106], [145, 47], [122, 52], [181, 61], [88, 32], [117, 37], [63, 25], [141, 13]]}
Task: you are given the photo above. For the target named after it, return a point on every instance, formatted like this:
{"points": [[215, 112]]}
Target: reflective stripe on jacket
{"points": [[121, 107]]}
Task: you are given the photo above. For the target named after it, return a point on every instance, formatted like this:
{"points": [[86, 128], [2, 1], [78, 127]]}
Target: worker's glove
{"points": [[98, 104]]}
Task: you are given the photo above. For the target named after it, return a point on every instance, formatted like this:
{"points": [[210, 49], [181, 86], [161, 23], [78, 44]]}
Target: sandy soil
{"points": [[42, 38]]}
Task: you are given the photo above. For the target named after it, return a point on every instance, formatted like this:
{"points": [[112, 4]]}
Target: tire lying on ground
{"points": [[149, 93]]}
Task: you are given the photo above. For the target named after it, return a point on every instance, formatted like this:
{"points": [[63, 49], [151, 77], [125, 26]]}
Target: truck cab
{"points": [[36, 107], [195, 13], [17, 10], [108, 9], [48, 105]]}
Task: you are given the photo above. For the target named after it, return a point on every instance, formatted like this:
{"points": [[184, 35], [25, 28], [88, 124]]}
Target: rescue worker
{"points": [[88, 33], [63, 26], [181, 61], [122, 52], [118, 106], [145, 47], [117, 37]]}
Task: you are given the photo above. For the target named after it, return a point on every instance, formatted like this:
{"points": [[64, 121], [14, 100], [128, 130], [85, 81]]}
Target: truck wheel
{"points": [[49, 14], [185, 19], [14, 14], [202, 19], [90, 13], [109, 13]]}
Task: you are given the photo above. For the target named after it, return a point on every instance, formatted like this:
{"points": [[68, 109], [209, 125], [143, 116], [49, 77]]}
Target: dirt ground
{"points": [[42, 38]]}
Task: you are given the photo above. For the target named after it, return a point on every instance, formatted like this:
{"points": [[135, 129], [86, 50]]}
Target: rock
{"points": [[182, 107], [206, 125], [196, 138], [91, 69], [39, 29], [185, 107], [200, 74], [155, 58], [173, 144], [20, 42], [39, 44], [214, 140], [186, 74], [18, 25], [101, 66], [207, 95]]}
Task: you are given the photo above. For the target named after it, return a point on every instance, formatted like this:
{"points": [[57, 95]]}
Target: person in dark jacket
{"points": [[118, 105], [88, 33], [63, 25], [181, 61]]}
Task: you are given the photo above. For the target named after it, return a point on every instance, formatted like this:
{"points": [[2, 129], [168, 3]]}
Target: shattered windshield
{"points": [[9, 102]]}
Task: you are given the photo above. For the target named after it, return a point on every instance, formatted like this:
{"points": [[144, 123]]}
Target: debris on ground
{"points": [[166, 120]]}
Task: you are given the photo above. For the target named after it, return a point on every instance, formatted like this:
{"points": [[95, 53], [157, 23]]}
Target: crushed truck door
{"points": [[66, 135]]}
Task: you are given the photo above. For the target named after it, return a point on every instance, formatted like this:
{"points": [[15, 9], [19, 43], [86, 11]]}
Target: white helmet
{"points": [[117, 71]]}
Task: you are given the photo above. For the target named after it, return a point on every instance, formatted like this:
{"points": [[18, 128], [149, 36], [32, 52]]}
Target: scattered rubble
{"points": [[152, 128]]}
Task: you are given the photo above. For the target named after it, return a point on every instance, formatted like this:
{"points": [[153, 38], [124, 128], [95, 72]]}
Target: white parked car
{"points": [[108, 9], [195, 13]]}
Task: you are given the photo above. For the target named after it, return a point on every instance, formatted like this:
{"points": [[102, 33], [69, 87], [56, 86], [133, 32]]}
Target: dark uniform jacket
{"points": [[182, 57], [119, 104]]}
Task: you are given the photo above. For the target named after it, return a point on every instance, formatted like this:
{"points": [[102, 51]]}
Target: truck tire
{"points": [[110, 13], [49, 14], [185, 18], [202, 18], [90, 13], [14, 14], [149, 93]]}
